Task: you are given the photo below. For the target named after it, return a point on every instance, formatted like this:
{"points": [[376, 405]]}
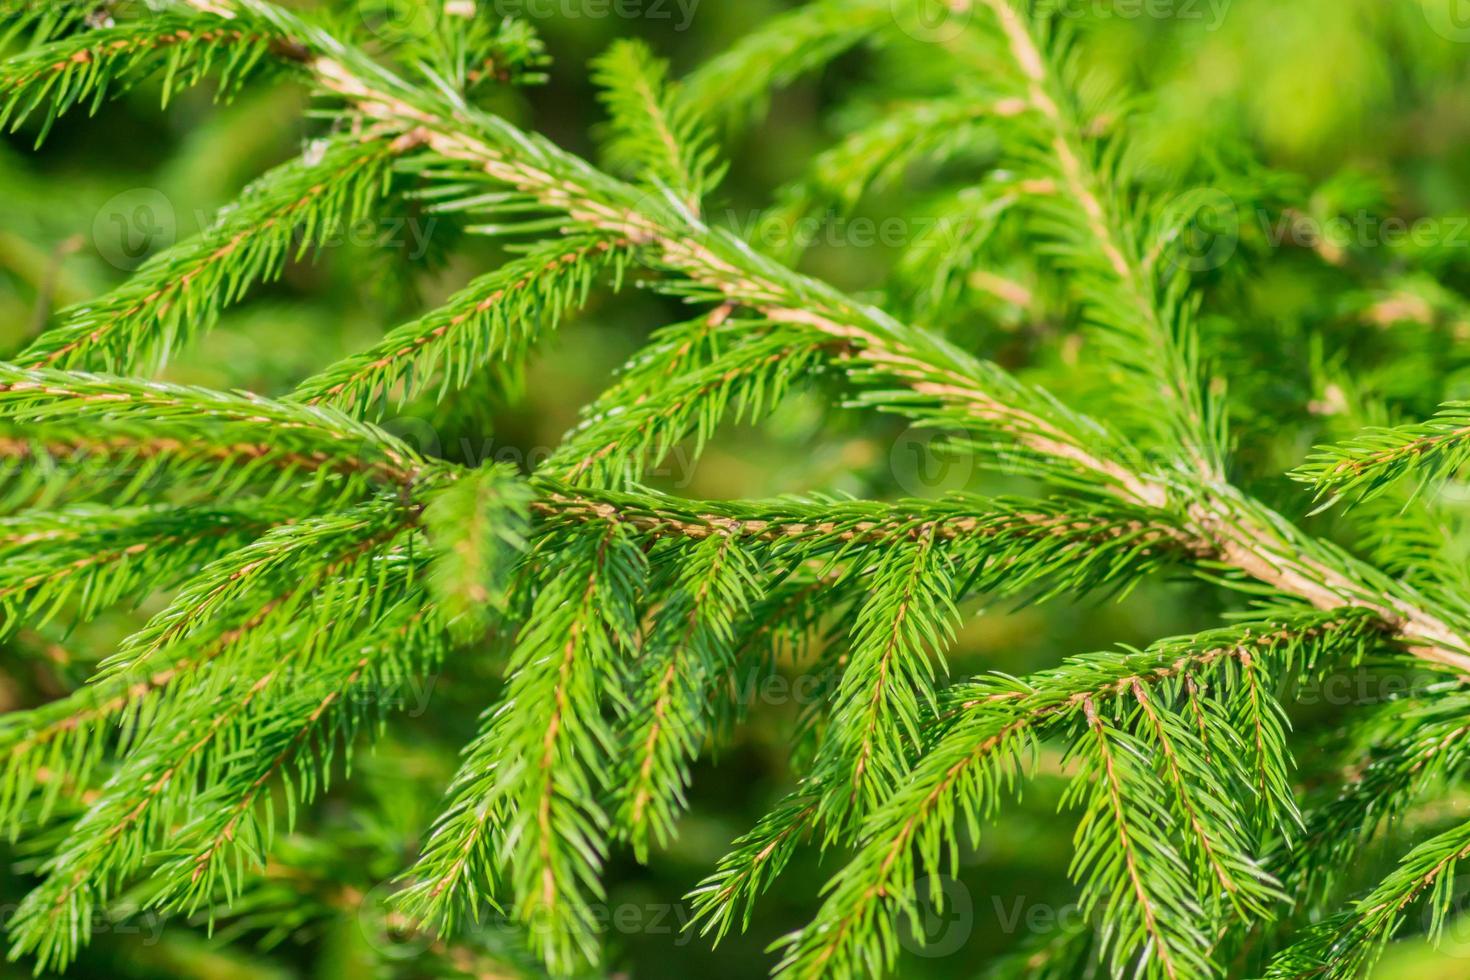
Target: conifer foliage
{"points": [[309, 553]]}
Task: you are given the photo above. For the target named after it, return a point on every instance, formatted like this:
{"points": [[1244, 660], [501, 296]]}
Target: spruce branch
{"points": [[177, 294], [652, 133], [524, 806], [1148, 320], [280, 555], [158, 783], [732, 86], [493, 320], [478, 527], [68, 735], [692, 644], [175, 416], [875, 156], [51, 461], [90, 558], [350, 561], [1367, 465], [754, 862], [656, 405], [1415, 743], [88, 66], [963, 776], [297, 737], [937, 383], [1147, 894], [1349, 944], [951, 388], [888, 686]]}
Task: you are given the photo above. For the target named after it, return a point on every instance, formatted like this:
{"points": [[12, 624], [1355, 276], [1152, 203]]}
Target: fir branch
{"points": [[656, 405], [494, 319], [878, 154], [733, 85], [753, 863], [295, 739], [938, 269], [90, 558], [158, 782], [1371, 462], [1146, 892], [888, 686], [942, 386], [963, 775], [653, 134], [1025, 545], [952, 389], [1350, 944], [1148, 323], [176, 415], [1189, 762], [524, 803], [177, 295], [691, 645], [88, 66], [67, 737], [46, 462], [1416, 743], [241, 685], [478, 527], [279, 556]]}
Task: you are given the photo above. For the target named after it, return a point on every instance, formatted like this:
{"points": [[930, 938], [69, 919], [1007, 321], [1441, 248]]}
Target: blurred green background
{"points": [[1344, 108]]}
